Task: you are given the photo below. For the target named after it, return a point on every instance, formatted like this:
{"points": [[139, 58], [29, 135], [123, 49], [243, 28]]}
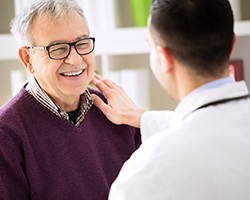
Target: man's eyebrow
{"points": [[64, 41]]}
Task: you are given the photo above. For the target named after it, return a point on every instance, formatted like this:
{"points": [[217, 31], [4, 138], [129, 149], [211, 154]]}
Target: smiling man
{"points": [[54, 143]]}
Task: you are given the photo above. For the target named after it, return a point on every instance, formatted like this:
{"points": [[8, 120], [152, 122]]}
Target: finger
{"points": [[106, 86], [105, 108], [97, 76], [106, 81], [97, 79], [100, 85], [99, 102]]}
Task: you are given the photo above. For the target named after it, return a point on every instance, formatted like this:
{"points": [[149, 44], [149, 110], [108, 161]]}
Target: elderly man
{"points": [[54, 143]]}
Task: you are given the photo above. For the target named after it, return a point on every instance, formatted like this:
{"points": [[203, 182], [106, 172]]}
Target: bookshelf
{"points": [[121, 49]]}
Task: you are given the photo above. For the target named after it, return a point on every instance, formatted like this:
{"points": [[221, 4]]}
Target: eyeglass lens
{"points": [[62, 50]]}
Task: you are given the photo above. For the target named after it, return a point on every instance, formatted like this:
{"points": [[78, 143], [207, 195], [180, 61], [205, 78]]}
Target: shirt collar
{"points": [[41, 96], [209, 85], [194, 100]]}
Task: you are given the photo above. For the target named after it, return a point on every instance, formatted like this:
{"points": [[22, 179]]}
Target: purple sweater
{"points": [[45, 157]]}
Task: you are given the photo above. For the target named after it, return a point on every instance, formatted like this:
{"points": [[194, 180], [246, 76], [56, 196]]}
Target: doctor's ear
{"points": [[234, 43], [24, 55], [166, 59]]}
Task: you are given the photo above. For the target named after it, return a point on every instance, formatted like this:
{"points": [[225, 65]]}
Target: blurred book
{"points": [[135, 82], [100, 15]]}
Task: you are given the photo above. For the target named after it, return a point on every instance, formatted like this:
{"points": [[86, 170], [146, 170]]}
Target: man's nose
{"points": [[73, 56]]}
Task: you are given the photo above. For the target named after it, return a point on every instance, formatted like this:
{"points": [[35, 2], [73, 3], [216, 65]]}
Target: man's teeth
{"points": [[72, 73]]}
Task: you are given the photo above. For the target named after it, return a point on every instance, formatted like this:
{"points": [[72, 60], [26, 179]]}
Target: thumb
{"points": [[106, 109], [98, 102]]}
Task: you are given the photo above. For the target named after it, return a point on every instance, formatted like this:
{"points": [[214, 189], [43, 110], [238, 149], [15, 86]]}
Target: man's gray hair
{"points": [[21, 24]]}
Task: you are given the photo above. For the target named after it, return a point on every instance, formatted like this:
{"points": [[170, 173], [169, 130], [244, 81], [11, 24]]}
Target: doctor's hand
{"points": [[120, 109]]}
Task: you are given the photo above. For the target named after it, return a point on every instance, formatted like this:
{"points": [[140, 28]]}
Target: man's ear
{"points": [[166, 59], [24, 55], [234, 43]]}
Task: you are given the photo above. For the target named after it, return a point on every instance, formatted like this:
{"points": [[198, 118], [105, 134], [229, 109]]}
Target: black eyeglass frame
{"points": [[47, 48]]}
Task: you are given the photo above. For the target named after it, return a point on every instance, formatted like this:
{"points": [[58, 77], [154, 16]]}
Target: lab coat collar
{"points": [[189, 105]]}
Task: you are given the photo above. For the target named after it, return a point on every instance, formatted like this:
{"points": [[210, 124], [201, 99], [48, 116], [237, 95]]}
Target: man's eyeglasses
{"points": [[61, 51]]}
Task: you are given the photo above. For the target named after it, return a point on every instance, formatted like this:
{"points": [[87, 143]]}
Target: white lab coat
{"points": [[192, 154]]}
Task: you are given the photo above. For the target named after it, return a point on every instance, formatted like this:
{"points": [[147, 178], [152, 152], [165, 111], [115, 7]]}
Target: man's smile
{"points": [[70, 74]]}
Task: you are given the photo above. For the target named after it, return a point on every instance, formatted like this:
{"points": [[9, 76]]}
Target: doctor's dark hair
{"points": [[199, 33], [21, 25]]}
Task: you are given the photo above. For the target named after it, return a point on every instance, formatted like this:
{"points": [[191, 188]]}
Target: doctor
{"points": [[200, 150]]}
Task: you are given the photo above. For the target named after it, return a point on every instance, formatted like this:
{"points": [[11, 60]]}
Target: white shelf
{"points": [[134, 40], [122, 41], [118, 42], [242, 28], [9, 48]]}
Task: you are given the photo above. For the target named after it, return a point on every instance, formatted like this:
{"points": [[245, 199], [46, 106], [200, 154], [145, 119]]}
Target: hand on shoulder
{"points": [[120, 108]]}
